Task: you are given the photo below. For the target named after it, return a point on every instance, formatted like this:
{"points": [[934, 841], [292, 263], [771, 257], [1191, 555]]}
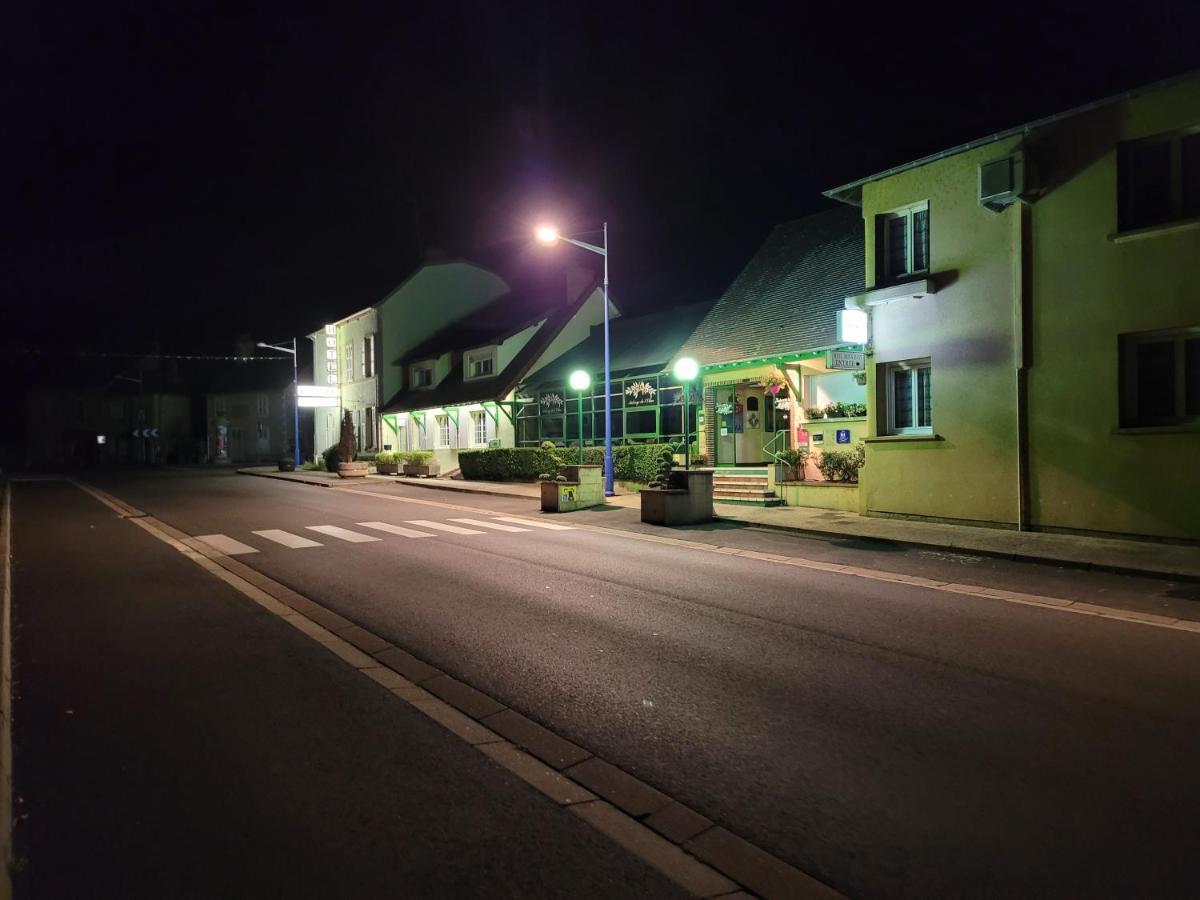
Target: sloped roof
{"points": [[786, 298], [637, 344]]}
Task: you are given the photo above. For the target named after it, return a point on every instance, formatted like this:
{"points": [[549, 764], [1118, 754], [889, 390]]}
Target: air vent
{"points": [[1002, 181]]}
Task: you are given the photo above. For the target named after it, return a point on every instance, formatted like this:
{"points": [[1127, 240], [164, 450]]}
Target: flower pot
{"points": [[352, 470], [287, 465], [425, 470], [387, 468]]}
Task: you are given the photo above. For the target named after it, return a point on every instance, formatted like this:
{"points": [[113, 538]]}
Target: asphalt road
{"points": [[888, 739], [172, 739]]}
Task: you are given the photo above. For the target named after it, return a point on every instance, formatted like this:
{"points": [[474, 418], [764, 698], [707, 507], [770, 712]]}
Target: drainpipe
{"points": [[1023, 351]]}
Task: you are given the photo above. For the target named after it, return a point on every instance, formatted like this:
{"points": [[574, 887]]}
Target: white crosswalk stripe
{"points": [[225, 544], [442, 526], [548, 525], [344, 534], [396, 529], [485, 523], [293, 541]]}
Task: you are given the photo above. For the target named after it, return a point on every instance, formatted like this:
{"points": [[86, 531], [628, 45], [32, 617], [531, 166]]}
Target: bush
{"points": [[387, 457], [631, 462], [332, 457], [795, 459], [415, 457], [814, 412], [311, 465], [842, 465]]}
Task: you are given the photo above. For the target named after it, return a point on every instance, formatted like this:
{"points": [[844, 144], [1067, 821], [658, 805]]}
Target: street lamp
{"points": [[686, 370], [295, 396], [549, 235], [580, 381]]}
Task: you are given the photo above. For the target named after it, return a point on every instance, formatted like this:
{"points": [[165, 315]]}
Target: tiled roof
{"points": [[637, 344], [786, 298]]}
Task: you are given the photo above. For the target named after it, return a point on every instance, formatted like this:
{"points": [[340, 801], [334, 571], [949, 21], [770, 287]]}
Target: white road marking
{"points": [[294, 541], [225, 544], [396, 529], [534, 524], [484, 523], [344, 534], [442, 526]]}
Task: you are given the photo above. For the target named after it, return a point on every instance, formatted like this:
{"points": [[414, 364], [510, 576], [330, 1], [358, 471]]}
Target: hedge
{"points": [[631, 462]]}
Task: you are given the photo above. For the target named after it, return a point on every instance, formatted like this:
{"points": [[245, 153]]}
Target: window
{"points": [[479, 428], [422, 376], [368, 356], [1160, 377], [369, 428], [909, 397], [219, 408], [264, 432], [443, 430], [1158, 180], [264, 406], [903, 241], [349, 361], [481, 363]]}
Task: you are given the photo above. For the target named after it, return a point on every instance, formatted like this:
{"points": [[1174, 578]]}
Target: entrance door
{"points": [[729, 419], [752, 434]]}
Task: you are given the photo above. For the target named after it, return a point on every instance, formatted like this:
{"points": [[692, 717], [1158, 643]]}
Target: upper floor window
{"points": [[903, 239], [909, 387], [1158, 180], [264, 406], [1160, 377], [481, 363], [368, 356], [421, 376], [348, 360]]}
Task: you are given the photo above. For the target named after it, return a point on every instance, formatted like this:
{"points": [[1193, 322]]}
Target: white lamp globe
{"points": [[686, 369], [580, 380]]}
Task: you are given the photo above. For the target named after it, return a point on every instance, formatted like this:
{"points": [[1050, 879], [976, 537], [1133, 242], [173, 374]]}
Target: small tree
{"points": [[662, 477], [346, 448]]}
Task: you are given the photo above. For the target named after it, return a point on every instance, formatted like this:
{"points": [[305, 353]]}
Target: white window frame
{"points": [[883, 223], [418, 367], [1130, 416], [912, 366], [368, 356], [472, 357], [349, 361], [479, 436], [442, 434]]}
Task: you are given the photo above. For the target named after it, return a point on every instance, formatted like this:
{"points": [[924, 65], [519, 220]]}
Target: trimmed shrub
{"points": [[631, 462], [387, 457], [842, 465], [332, 457], [417, 457]]}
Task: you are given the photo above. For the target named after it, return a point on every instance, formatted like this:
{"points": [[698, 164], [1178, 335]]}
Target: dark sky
{"points": [[181, 174]]}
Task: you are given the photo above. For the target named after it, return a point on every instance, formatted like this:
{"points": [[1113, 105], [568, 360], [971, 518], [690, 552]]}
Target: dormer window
{"points": [[480, 363], [421, 375]]}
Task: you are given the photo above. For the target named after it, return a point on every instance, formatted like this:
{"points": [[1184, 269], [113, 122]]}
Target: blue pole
{"points": [[608, 457], [296, 404]]}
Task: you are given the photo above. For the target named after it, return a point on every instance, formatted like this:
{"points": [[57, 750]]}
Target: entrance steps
{"points": [[750, 487]]}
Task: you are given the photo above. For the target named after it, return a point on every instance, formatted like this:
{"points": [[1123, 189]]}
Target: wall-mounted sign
{"points": [[818, 437], [852, 326], [843, 435], [640, 392], [313, 396], [844, 359], [331, 356], [101, 439]]}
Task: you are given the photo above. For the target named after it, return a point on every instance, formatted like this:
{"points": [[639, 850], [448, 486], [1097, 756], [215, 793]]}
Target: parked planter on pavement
{"points": [[287, 464], [583, 488], [687, 499], [352, 470], [422, 470]]}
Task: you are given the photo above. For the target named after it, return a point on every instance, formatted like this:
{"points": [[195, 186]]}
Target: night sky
{"points": [[181, 175]]}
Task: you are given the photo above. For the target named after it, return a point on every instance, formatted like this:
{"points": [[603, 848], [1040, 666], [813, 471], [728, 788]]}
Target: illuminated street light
{"points": [[580, 381], [548, 234], [686, 370]]}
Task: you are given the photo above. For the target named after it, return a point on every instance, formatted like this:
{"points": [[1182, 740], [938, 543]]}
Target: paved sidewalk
{"points": [[1112, 554]]}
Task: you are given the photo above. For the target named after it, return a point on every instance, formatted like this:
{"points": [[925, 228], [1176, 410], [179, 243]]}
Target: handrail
{"points": [[768, 447]]}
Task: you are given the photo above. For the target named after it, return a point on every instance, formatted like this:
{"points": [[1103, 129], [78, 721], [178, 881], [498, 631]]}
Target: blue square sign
{"points": [[843, 435]]}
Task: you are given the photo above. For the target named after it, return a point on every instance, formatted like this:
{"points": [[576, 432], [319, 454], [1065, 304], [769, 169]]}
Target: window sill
{"points": [[1137, 234], [902, 438], [1185, 428]]}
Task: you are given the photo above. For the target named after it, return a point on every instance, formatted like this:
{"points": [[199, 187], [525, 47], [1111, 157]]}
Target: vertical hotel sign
{"points": [[331, 358]]}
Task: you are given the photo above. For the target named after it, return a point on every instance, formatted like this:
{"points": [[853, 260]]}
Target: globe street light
{"points": [[580, 381], [295, 396], [548, 235], [686, 370]]}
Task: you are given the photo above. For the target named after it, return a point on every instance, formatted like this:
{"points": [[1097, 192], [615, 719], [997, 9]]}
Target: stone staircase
{"points": [[751, 487]]}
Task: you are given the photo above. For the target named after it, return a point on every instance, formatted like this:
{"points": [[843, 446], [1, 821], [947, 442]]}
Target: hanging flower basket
{"points": [[774, 381]]}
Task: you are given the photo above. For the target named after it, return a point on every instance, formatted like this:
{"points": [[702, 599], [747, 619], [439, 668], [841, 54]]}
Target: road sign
{"points": [[145, 432]]}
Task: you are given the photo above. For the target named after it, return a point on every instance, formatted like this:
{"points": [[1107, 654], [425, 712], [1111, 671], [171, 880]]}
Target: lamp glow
{"points": [[686, 369], [546, 234], [580, 380]]}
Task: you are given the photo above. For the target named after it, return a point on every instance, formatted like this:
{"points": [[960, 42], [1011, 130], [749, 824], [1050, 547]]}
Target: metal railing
{"points": [[771, 449]]}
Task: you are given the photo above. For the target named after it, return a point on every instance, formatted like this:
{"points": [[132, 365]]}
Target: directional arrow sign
{"points": [[145, 432]]}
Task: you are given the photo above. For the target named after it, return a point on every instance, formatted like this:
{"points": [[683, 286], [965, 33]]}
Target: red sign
{"points": [[801, 436]]}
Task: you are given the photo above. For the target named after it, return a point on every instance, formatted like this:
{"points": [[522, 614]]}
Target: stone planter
{"points": [[352, 470], [554, 493], [287, 465], [687, 501], [427, 470], [584, 487], [387, 468]]}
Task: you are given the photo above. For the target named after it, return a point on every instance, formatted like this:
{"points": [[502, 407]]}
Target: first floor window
{"points": [[909, 397], [1160, 377], [479, 428], [264, 432], [443, 431]]}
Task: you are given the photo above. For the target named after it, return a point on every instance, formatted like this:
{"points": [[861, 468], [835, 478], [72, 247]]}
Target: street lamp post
{"points": [[686, 370], [580, 381], [548, 234], [295, 396]]}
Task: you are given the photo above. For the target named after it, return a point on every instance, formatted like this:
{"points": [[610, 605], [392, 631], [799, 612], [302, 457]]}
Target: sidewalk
{"points": [[1110, 554], [174, 739]]}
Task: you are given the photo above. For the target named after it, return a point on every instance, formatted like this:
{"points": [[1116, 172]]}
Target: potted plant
{"points": [[420, 464], [287, 464], [774, 381], [796, 459], [346, 450], [677, 497], [387, 462]]}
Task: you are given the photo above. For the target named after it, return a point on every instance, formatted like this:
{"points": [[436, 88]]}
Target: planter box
{"points": [[688, 500], [583, 488], [287, 465], [429, 470], [387, 468], [352, 470]]}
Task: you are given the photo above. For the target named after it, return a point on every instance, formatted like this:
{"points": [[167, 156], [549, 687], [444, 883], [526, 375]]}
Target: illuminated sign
{"points": [[331, 360], [844, 359], [852, 326], [311, 396]]}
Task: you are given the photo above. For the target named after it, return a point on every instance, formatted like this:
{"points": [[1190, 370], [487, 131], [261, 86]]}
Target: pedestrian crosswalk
{"points": [[409, 529]]}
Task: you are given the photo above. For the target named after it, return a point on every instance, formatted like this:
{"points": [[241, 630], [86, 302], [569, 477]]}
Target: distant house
{"points": [[460, 385], [249, 415]]}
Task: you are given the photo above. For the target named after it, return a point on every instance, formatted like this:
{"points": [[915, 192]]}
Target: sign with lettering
{"points": [[843, 435], [844, 359], [331, 356]]}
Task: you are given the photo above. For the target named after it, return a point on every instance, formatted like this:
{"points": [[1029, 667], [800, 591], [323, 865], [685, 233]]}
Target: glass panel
{"points": [[672, 420], [920, 240], [1150, 184], [902, 404], [897, 245], [641, 421], [924, 398], [552, 428], [1156, 379], [1191, 376], [1190, 150]]}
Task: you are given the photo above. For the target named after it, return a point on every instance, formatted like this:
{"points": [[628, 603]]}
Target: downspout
{"points": [[1023, 340]]}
